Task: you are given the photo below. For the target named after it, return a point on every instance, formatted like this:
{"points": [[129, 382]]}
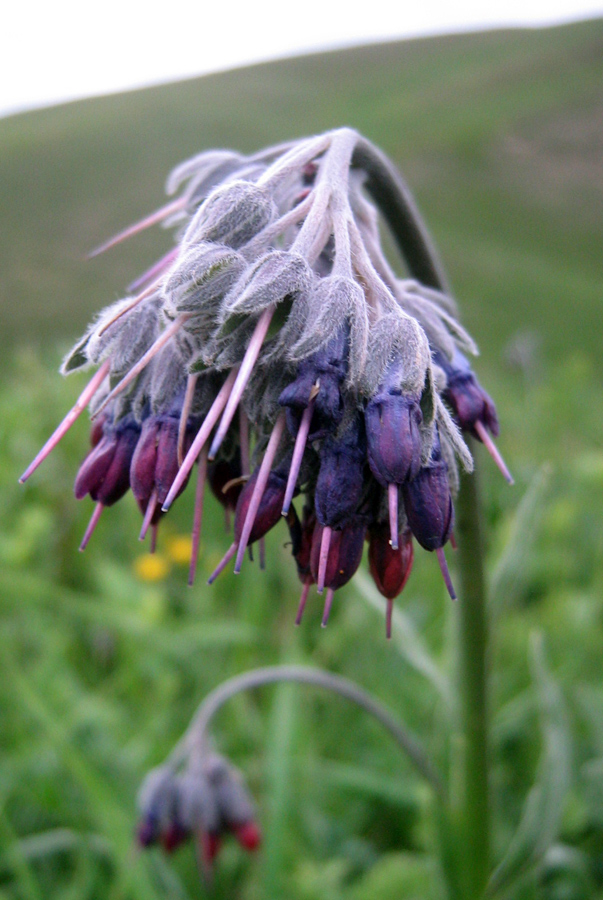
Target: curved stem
{"points": [[196, 735], [393, 198]]}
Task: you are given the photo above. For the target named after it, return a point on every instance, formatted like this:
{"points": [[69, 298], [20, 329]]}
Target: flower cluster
{"points": [[275, 347], [205, 801]]}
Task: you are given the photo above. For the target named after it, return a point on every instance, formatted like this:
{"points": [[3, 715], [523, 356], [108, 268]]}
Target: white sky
{"points": [[55, 50]]}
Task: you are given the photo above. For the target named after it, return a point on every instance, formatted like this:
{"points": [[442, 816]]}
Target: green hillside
{"points": [[500, 135]]}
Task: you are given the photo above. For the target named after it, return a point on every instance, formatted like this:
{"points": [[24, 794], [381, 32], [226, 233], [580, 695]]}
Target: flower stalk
{"points": [[473, 691]]}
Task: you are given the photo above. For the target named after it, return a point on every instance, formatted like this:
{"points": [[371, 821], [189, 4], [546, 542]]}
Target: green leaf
{"points": [[540, 820], [77, 357]]}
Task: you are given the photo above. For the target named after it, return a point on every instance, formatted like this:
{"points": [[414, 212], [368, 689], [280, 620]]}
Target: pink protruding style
{"points": [[198, 516], [298, 453], [150, 512], [302, 602], [260, 487], [327, 609], [74, 413], [493, 450], [98, 509], [325, 544], [389, 612], [223, 563], [191, 384], [445, 573], [154, 218], [249, 360], [154, 533], [202, 435], [392, 501]]}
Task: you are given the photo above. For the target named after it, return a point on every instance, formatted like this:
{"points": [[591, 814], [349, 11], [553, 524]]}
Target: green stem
{"points": [[196, 737], [473, 640]]}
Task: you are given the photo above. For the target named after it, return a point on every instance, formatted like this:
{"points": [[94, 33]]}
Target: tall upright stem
{"points": [[472, 688]]}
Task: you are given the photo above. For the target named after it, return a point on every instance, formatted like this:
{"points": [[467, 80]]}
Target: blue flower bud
{"points": [[393, 431], [326, 368], [340, 483], [428, 503], [466, 396]]}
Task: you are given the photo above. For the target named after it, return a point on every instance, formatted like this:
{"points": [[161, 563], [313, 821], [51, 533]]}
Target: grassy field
{"points": [[103, 658]]}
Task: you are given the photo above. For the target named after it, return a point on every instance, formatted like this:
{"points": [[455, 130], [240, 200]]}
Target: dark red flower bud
{"points": [[345, 553], [248, 835], [271, 504], [220, 474], [466, 396], [390, 568], [428, 503], [174, 836], [393, 422], [105, 473], [301, 540], [210, 845], [340, 483]]}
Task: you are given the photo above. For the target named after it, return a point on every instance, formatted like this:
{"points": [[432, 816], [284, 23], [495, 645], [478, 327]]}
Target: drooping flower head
{"points": [[275, 347], [205, 801]]}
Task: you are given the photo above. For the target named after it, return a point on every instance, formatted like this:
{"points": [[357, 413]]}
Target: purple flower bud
{"points": [[155, 462], [390, 568], [340, 483], [97, 431], [345, 553], [428, 503], [157, 803], [301, 540], [466, 396], [327, 368], [105, 473], [271, 504], [393, 421]]}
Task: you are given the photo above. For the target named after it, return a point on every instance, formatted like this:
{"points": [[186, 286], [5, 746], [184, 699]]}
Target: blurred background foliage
{"points": [[105, 655]]}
